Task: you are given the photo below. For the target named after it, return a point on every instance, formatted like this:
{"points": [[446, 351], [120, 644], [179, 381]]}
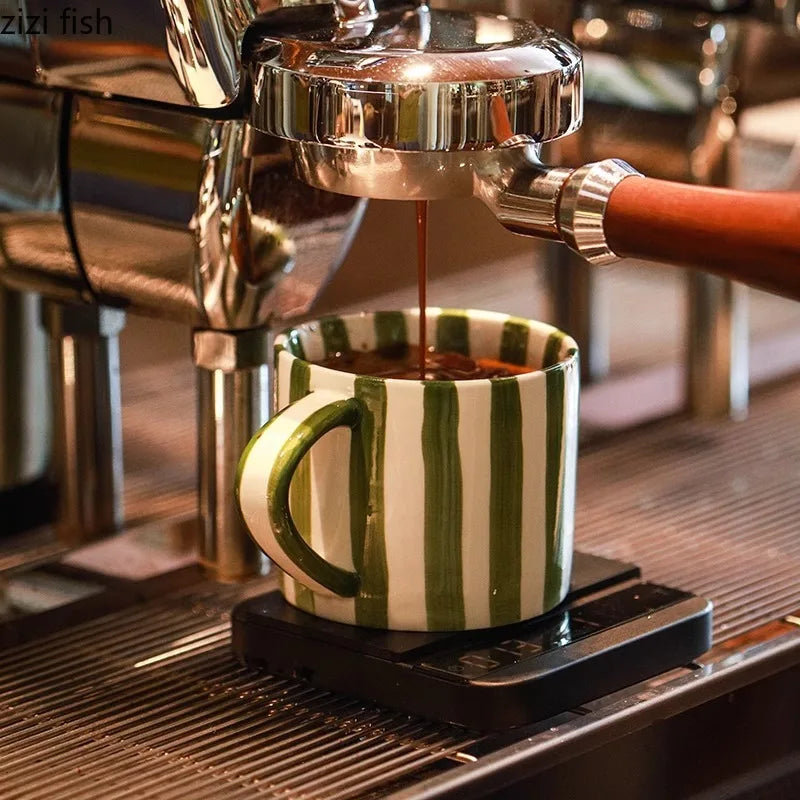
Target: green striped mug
{"points": [[413, 505]]}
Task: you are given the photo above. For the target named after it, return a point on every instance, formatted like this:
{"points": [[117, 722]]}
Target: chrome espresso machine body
{"points": [[132, 182], [208, 163]]}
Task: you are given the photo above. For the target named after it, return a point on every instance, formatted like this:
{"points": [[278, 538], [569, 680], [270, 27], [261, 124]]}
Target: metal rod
{"points": [[87, 424], [718, 339], [233, 395]]}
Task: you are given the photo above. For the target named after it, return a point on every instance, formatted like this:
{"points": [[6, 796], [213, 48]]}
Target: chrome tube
{"points": [[24, 391], [233, 398], [87, 441], [718, 347]]}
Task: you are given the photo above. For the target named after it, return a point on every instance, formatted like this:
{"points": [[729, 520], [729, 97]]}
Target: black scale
{"points": [[612, 631]]}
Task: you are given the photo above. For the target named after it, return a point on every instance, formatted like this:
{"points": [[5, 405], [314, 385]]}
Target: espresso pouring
{"points": [[407, 362]]}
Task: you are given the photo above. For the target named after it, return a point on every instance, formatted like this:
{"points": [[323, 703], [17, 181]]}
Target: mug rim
{"points": [[488, 316]]}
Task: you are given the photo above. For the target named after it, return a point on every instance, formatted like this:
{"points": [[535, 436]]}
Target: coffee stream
{"points": [[418, 363], [422, 282]]}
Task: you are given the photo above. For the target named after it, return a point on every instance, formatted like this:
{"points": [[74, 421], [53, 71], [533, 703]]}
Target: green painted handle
{"points": [[334, 415]]}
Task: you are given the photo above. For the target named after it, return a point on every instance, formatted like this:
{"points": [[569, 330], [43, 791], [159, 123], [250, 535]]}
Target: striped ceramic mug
{"points": [[414, 505]]}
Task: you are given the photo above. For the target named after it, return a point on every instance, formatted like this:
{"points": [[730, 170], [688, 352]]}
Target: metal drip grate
{"points": [[150, 703], [709, 507]]}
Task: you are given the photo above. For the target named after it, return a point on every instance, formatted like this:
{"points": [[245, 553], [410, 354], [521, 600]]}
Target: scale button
{"points": [[519, 648], [455, 670]]}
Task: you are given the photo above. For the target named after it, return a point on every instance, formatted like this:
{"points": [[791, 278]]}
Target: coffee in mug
{"points": [[418, 505], [403, 361]]}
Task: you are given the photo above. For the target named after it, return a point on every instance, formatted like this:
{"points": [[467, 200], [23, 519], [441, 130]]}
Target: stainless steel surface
{"points": [[413, 103], [417, 79], [24, 391], [207, 216], [553, 202], [211, 226], [87, 434], [526, 196], [523, 193], [233, 403], [383, 174], [354, 9], [228, 351], [185, 52], [718, 322], [35, 251], [149, 701], [582, 208], [771, 652]]}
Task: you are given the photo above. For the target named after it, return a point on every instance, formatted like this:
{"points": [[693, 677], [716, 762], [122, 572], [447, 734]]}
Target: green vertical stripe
{"points": [[552, 349], [334, 336], [295, 345], [452, 332], [444, 588], [514, 342], [505, 503], [390, 329], [367, 532], [300, 492], [554, 480], [276, 376]]}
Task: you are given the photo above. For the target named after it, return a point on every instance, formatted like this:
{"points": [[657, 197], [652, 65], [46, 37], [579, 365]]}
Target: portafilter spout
{"points": [[412, 103]]}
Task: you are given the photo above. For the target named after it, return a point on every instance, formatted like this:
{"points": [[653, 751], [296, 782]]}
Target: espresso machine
{"points": [[209, 163]]}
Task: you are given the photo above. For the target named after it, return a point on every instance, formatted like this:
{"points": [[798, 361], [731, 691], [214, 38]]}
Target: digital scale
{"points": [[612, 631]]}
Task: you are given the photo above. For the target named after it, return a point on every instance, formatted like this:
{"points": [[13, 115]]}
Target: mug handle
{"points": [[276, 451]]}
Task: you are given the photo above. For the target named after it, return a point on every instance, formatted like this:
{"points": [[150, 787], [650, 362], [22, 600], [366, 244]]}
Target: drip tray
{"points": [[613, 631]]}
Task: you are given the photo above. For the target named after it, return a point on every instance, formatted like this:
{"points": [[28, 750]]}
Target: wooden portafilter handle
{"points": [[608, 211], [752, 237]]}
